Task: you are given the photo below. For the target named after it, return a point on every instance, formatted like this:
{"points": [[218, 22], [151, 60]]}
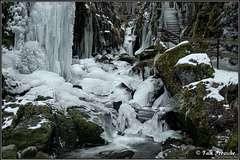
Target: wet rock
{"points": [[9, 152], [29, 152]]}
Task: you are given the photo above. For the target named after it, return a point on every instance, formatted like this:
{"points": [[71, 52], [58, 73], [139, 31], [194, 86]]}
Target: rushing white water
{"points": [[51, 24]]}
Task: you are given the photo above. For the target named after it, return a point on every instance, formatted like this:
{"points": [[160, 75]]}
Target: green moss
{"points": [[9, 155], [213, 141], [232, 143], [147, 54], [165, 66], [174, 154], [41, 155], [29, 152], [159, 48], [188, 73], [22, 137], [42, 98], [87, 132]]}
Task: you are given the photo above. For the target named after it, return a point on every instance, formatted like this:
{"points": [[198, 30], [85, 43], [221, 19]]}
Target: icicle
{"points": [[51, 24]]}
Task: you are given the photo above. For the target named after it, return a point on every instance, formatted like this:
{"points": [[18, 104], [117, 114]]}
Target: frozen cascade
{"points": [[51, 24], [87, 40], [146, 30], [129, 38]]}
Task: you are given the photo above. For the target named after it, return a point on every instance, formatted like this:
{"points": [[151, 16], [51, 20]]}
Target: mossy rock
{"points": [[42, 98], [139, 68], [75, 129], [173, 153], [9, 152], [127, 58], [198, 153], [41, 155], [165, 66], [148, 53], [160, 48], [22, 136], [188, 73], [9, 155], [191, 115], [86, 131], [29, 152], [121, 155], [232, 143]]}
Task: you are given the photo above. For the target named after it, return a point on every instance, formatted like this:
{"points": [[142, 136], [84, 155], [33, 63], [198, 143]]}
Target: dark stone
{"points": [[29, 152], [116, 105]]}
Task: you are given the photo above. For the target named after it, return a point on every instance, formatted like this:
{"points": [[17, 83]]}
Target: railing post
{"points": [[218, 53], [167, 38]]}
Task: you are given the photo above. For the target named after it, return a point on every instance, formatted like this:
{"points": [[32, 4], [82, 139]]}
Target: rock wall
{"points": [[97, 29]]}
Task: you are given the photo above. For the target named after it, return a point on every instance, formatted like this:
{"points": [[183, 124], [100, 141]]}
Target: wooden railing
{"points": [[197, 40]]}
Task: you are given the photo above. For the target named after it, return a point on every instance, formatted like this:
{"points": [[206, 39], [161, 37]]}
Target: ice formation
{"points": [[51, 24]]}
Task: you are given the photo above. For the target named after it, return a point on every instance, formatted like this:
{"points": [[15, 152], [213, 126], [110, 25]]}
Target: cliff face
{"points": [[214, 20], [96, 29]]}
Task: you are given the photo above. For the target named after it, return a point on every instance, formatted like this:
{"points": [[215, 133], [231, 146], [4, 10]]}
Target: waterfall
{"points": [[129, 38], [146, 30], [87, 40], [51, 24]]}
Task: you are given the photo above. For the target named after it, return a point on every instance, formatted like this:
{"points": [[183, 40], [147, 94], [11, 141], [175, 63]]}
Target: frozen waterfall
{"points": [[51, 24], [129, 38], [146, 30]]}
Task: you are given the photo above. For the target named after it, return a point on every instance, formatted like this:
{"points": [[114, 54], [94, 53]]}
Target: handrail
{"points": [[208, 40]]}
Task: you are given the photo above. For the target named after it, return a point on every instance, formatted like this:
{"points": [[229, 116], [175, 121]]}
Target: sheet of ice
{"points": [[77, 71], [120, 94], [161, 101], [195, 59], [127, 121], [145, 92], [97, 86]]}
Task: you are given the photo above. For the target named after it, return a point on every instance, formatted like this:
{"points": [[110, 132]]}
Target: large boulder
{"points": [[29, 152], [30, 127], [193, 67], [75, 129], [202, 118], [165, 66], [9, 152]]}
